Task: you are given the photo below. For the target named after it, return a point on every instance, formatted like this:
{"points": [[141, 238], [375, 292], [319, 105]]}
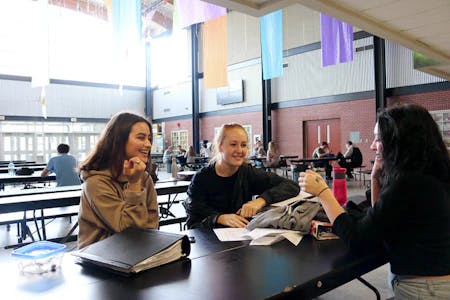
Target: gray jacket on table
{"points": [[292, 217]]}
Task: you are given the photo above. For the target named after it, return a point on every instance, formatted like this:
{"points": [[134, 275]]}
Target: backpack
{"points": [[356, 157], [24, 171]]}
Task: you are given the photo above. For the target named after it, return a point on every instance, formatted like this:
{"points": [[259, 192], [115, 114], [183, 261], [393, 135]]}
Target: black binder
{"points": [[134, 250]]}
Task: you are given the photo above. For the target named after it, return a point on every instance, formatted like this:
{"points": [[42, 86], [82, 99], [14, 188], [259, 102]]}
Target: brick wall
{"points": [[431, 101], [287, 123]]}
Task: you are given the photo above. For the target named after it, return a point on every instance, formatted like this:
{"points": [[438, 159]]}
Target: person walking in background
{"points": [[118, 191], [221, 193], [167, 158], [273, 155], [410, 213], [64, 166]]}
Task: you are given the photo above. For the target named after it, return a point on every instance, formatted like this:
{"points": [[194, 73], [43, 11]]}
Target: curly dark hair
{"points": [[412, 142], [109, 152]]}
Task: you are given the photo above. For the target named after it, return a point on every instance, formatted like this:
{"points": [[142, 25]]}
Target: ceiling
{"points": [[422, 26]]}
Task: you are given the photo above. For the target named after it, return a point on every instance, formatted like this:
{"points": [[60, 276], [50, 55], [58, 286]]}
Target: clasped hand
{"points": [[133, 169], [311, 182]]}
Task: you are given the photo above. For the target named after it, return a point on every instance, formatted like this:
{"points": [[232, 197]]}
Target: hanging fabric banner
{"points": [[126, 17], [40, 76], [337, 41], [196, 11], [271, 26], [215, 53]]}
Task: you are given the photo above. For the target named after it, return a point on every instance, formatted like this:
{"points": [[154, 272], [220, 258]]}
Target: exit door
{"points": [[318, 131]]}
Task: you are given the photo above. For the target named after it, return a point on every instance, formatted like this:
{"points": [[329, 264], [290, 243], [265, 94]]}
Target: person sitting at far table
{"points": [[410, 213], [323, 151], [273, 155], [64, 166], [221, 193], [352, 158], [118, 191]]}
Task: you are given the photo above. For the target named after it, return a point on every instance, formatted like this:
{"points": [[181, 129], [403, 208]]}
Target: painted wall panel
{"points": [[304, 77], [400, 68], [172, 101], [17, 98]]}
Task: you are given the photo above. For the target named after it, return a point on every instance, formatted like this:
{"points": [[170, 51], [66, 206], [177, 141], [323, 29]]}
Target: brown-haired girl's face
{"points": [[138, 144], [234, 147]]}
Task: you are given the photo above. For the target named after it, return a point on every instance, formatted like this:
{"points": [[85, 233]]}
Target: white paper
{"points": [[258, 236], [269, 236], [231, 234]]}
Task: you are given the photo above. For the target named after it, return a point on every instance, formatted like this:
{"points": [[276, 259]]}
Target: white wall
{"points": [[17, 98], [173, 101]]}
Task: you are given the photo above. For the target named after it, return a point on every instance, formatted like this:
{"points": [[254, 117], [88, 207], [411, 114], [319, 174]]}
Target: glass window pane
{"points": [[7, 144]]}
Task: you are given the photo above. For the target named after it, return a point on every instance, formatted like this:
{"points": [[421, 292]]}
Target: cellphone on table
{"points": [[192, 239]]}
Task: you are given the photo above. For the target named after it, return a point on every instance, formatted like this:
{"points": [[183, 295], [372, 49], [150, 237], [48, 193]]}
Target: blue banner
{"points": [[272, 44]]}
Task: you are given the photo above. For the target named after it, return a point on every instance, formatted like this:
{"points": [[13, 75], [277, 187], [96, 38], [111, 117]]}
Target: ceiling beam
{"points": [[340, 12], [253, 8]]}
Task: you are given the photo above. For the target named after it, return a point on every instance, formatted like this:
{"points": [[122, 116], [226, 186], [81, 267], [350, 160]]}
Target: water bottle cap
{"points": [[339, 170]]}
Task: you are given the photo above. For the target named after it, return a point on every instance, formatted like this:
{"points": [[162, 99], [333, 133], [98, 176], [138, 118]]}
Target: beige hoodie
{"points": [[106, 207]]}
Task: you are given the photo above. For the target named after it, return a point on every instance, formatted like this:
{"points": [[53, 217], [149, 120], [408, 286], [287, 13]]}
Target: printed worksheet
{"points": [[258, 236]]}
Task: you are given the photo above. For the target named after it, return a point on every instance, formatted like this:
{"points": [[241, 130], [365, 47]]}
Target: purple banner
{"points": [[196, 11], [337, 41]]}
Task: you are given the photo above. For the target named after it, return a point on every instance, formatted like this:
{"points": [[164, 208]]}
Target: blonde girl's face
{"points": [[234, 147], [138, 144]]}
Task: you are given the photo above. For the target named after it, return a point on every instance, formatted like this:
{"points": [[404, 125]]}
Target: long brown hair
{"points": [[109, 152]]}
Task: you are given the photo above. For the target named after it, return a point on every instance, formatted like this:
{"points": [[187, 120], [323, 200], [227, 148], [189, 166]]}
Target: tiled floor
{"points": [[352, 290]]}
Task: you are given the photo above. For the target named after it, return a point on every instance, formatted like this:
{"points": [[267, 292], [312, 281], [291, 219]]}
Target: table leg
{"points": [[36, 224], [374, 289]]}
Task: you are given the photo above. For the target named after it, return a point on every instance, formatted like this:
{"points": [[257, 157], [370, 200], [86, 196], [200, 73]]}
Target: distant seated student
{"points": [[181, 155], [221, 194], [64, 166], [259, 149], [352, 158], [190, 155], [323, 151], [273, 155]]}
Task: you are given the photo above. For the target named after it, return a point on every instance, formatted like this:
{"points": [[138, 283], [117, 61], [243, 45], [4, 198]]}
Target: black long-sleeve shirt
{"points": [[210, 195], [411, 219]]}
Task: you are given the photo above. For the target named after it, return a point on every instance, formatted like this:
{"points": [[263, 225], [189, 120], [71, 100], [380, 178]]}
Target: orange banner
{"points": [[215, 53]]}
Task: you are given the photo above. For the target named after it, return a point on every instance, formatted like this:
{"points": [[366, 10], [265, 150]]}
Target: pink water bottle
{"points": [[340, 185]]}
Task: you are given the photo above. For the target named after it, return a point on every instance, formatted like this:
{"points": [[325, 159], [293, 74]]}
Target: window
{"points": [[179, 137], [37, 141], [442, 119], [80, 46]]}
